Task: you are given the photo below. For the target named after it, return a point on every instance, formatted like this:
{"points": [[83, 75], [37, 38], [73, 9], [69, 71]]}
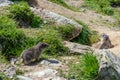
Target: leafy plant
{"points": [[22, 13], [87, 36], [86, 69], [36, 21], [12, 40], [53, 38], [101, 6], [4, 77], [95, 37], [7, 23], [66, 31], [84, 37]]}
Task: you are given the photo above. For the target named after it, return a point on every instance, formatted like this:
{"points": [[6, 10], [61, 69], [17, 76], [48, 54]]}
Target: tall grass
{"points": [[86, 69], [87, 36], [66, 31], [100, 6], [105, 7], [21, 12]]}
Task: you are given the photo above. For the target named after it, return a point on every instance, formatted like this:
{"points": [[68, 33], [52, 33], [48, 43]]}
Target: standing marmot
{"points": [[32, 53]]}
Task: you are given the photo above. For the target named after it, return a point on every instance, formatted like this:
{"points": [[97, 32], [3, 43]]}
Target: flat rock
{"points": [[23, 78], [77, 48], [45, 74], [59, 19]]}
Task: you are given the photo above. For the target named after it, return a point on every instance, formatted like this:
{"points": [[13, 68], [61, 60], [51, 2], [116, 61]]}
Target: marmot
{"points": [[106, 43], [32, 53]]}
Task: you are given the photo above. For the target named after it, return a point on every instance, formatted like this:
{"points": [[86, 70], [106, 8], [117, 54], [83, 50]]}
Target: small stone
{"points": [[23, 78], [10, 71]]}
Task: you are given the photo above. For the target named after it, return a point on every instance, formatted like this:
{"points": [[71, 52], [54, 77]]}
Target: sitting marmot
{"points": [[106, 43]]}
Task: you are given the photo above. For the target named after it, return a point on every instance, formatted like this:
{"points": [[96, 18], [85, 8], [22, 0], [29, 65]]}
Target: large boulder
{"points": [[58, 19], [109, 65], [76, 48]]}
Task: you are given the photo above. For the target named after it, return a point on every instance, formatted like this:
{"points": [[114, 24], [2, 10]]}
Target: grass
{"points": [[87, 36], [62, 3], [86, 69], [66, 31], [2, 59], [105, 7], [21, 12]]}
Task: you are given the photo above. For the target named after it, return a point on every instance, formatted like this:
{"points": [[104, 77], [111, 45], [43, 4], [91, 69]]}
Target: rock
{"points": [[46, 72], [109, 65], [59, 19], [9, 71], [51, 61], [23, 78], [77, 48], [55, 78], [5, 2]]}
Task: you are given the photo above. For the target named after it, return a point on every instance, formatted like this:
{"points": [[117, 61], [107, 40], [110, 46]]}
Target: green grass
{"points": [[87, 36], [102, 6], [66, 31], [86, 69], [62, 3], [2, 58], [21, 12], [105, 7]]}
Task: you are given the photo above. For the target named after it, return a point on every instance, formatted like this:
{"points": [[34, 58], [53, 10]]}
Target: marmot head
{"points": [[42, 45], [105, 37]]}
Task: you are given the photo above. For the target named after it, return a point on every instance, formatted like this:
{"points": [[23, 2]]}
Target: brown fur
{"points": [[106, 43], [32, 53]]}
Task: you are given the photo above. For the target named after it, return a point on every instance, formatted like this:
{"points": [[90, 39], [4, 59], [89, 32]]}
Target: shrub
{"points": [[101, 6], [21, 12], [53, 38], [87, 36], [95, 37], [108, 10], [66, 31], [86, 69], [2, 59], [13, 41], [7, 23], [3, 76], [36, 21], [84, 37]]}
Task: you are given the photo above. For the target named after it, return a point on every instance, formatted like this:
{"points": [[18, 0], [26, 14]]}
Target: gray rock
{"points": [[23, 78], [50, 61], [9, 71], [109, 65], [5, 2], [59, 19], [43, 73], [77, 48]]}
